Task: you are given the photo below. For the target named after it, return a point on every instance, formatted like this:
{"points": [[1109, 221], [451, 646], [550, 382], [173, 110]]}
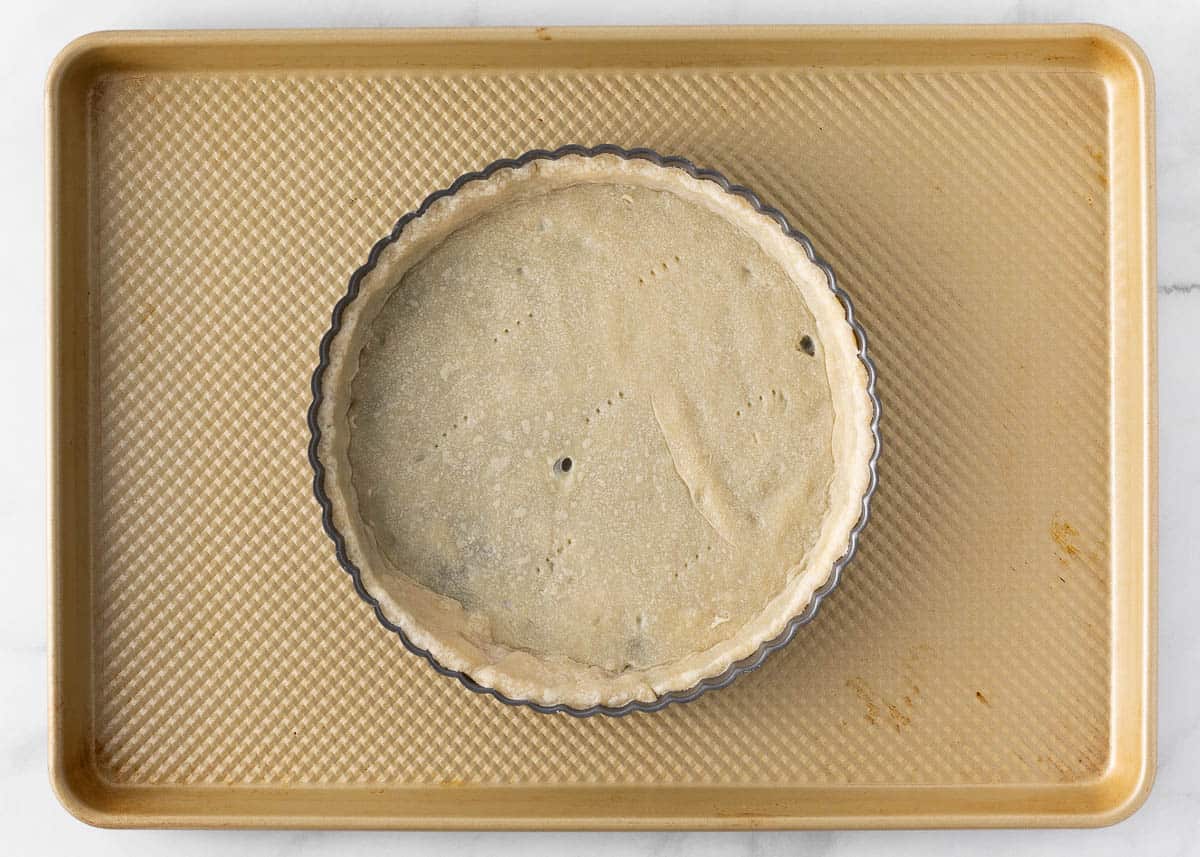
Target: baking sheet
{"points": [[984, 194]]}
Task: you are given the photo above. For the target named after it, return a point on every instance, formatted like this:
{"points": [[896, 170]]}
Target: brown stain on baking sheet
{"points": [[1070, 770], [979, 696], [1102, 163], [874, 705], [1073, 547], [1065, 536], [863, 692], [1098, 156], [898, 717]]}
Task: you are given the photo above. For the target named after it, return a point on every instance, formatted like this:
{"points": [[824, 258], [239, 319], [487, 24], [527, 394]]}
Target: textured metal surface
{"points": [[969, 211], [750, 662], [230, 213]]}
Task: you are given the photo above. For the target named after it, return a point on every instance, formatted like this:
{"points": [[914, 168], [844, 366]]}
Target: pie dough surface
{"points": [[588, 440]]}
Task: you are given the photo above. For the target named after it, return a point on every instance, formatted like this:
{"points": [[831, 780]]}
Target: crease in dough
{"points": [[692, 490]]}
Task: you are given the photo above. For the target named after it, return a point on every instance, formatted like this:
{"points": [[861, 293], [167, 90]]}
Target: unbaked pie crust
{"points": [[593, 430]]}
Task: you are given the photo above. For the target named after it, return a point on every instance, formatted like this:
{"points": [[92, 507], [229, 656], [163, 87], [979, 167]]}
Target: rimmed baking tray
{"points": [[984, 193]]}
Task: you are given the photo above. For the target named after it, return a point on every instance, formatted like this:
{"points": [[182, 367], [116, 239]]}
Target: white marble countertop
{"points": [[31, 821]]}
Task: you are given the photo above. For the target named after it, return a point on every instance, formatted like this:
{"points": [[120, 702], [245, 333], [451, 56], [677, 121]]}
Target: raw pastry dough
{"points": [[595, 430]]}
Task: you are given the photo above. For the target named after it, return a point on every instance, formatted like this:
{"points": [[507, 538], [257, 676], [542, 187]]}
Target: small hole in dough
{"points": [[564, 464]]}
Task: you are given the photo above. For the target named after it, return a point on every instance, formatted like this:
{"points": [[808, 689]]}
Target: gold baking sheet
{"points": [[984, 194]]}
